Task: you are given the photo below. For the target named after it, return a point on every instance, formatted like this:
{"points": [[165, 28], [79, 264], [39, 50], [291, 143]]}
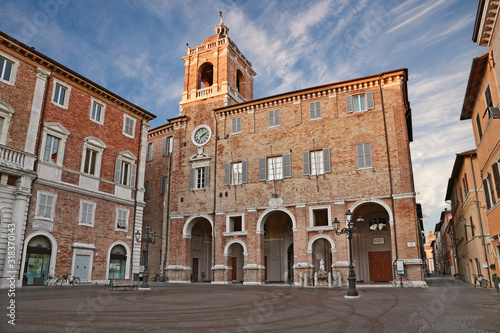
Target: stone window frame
{"points": [[59, 131], [52, 208], [230, 228], [93, 102], [125, 132], [14, 68], [117, 219], [97, 145], [6, 112], [80, 215], [312, 223], [67, 94]]}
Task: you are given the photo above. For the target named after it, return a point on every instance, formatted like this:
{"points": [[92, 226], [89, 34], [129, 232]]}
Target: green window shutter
{"points": [[287, 166], [370, 103], [244, 172], [326, 160], [306, 163], [118, 170], [262, 168], [227, 174]]}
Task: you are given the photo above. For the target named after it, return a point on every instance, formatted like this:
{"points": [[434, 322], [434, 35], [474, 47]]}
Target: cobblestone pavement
{"points": [[446, 306]]}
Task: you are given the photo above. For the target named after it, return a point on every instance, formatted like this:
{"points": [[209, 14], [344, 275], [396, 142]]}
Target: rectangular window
{"points": [[490, 198], [466, 185], [235, 223], [45, 205], [150, 151], [59, 94], [168, 145], [472, 227], [236, 173], [320, 217], [358, 103], [236, 125], [274, 118], [125, 172], [128, 126], [89, 166], [87, 210], [487, 97], [163, 184], [121, 219], [364, 155], [51, 149], [275, 168], [5, 69], [479, 129], [199, 178], [315, 110], [317, 163], [97, 111], [496, 177]]}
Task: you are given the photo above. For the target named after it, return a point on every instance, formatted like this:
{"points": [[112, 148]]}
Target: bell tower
{"points": [[216, 73]]}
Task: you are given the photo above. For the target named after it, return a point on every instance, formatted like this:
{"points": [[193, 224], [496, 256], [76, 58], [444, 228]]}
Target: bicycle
{"points": [[51, 280], [75, 281], [482, 282], [402, 281]]}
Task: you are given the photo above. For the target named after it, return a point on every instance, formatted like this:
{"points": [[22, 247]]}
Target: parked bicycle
{"points": [[62, 280], [402, 281], [480, 280], [75, 281]]}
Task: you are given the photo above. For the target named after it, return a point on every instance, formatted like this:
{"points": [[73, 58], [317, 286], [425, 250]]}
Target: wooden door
{"points": [[234, 264], [195, 270], [380, 266]]}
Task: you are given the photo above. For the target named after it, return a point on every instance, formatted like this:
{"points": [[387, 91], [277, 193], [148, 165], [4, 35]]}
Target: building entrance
{"points": [[36, 268], [278, 239], [201, 251]]}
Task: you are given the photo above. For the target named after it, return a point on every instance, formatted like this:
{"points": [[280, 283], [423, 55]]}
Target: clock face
{"points": [[201, 136]]}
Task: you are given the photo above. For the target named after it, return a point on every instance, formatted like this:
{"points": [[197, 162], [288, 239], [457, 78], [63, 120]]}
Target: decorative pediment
{"points": [[200, 156]]}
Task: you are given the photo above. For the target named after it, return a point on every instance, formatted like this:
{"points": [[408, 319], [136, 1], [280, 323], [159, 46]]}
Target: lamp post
{"points": [[349, 230], [147, 238]]}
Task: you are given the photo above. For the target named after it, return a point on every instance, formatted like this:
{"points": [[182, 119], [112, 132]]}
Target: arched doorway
{"points": [[117, 263], [201, 251], [37, 263], [372, 249], [236, 260], [278, 247], [322, 250]]}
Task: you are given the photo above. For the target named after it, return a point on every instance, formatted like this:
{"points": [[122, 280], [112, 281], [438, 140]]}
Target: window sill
{"points": [[121, 229], [44, 218], [86, 225], [323, 227], [365, 169], [235, 233], [65, 107], [97, 122]]}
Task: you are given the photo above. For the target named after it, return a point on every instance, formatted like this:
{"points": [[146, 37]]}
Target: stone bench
{"points": [[121, 283]]}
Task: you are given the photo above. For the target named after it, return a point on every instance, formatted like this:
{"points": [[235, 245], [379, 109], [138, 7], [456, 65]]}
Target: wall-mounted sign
{"points": [[378, 241]]}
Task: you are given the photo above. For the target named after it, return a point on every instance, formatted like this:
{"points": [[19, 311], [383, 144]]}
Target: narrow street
{"points": [[446, 305]]}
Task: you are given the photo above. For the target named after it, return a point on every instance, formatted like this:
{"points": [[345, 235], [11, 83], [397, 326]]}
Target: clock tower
{"points": [[217, 74]]}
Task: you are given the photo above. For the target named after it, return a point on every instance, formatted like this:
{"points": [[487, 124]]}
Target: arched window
{"points": [[240, 81], [206, 75]]}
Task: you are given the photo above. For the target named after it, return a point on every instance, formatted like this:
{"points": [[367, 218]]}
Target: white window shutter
{"points": [[312, 111], [368, 155], [276, 117], [118, 170], [227, 174], [207, 177], [262, 168], [370, 103], [244, 172], [360, 154], [287, 166], [348, 104], [326, 160], [133, 172], [307, 165], [271, 118]]}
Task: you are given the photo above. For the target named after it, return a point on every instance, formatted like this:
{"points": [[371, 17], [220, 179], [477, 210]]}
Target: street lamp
{"points": [[149, 237], [349, 230]]}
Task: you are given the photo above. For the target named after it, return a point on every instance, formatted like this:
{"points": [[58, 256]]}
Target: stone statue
{"points": [[321, 265]]}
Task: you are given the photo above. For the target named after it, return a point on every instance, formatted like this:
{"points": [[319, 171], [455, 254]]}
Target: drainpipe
{"points": [[389, 166], [480, 220], [35, 165], [215, 190], [135, 195], [167, 224]]}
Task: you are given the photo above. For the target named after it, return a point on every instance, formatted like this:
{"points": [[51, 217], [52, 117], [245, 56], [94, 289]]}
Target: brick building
{"points": [[245, 190], [73, 194]]}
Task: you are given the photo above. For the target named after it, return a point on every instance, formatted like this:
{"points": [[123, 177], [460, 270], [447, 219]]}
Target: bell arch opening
{"points": [[206, 75]]}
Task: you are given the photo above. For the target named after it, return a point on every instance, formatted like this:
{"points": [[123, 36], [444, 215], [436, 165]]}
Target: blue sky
{"points": [[134, 49]]}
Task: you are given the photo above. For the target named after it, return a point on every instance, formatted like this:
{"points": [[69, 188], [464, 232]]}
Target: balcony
{"points": [[16, 159]]}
